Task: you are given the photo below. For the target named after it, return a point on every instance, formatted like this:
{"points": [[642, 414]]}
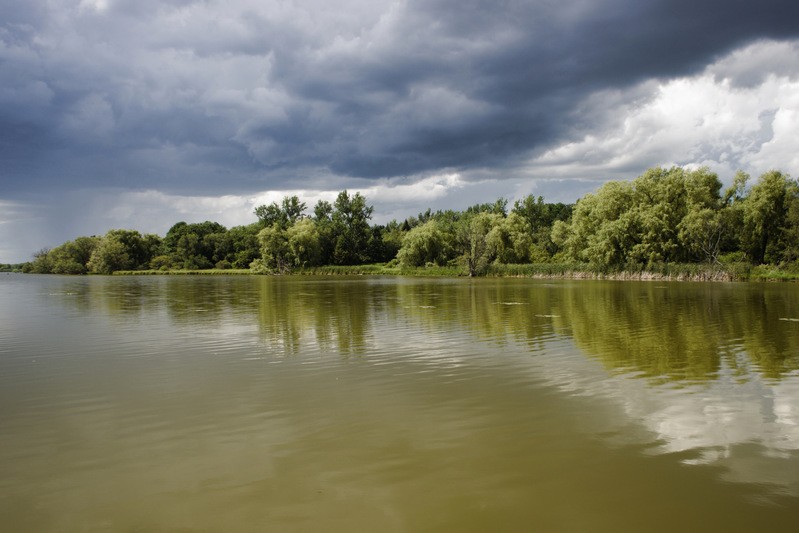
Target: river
{"points": [[250, 403]]}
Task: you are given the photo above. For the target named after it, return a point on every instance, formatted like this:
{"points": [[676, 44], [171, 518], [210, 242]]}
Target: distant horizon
{"points": [[709, 228], [311, 198]]}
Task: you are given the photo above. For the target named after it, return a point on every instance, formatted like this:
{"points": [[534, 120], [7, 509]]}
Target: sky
{"points": [[141, 113]]}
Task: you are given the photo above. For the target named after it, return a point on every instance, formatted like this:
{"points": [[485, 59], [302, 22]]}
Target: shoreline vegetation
{"points": [[667, 224], [670, 272]]}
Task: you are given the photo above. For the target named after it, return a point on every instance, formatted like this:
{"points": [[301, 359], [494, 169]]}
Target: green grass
{"points": [[770, 273]]}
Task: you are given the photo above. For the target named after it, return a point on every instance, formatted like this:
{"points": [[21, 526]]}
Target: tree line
{"points": [[666, 215]]}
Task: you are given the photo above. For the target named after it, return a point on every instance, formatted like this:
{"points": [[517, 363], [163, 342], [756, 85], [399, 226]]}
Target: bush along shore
{"points": [[666, 224], [665, 272]]}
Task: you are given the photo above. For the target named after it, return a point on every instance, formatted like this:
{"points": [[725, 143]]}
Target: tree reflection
{"points": [[684, 331], [334, 315], [674, 331], [660, 331]]}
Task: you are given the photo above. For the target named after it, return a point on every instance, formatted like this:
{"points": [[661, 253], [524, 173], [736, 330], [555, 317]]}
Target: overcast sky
{"points": [[141, 113]]}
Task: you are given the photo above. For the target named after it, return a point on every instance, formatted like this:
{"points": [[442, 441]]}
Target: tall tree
{"points": [[472, 238], [350, 224], [284, 214], [764, 216], [323, 217]]}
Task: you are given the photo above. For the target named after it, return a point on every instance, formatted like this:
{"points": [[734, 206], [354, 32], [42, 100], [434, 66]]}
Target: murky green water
{"points": [[297, 404]]}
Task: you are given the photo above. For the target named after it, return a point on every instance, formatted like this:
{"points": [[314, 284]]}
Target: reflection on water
{"points": [[233, 403]]}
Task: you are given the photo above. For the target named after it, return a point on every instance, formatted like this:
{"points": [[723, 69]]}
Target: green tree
{"points": [[72, 257], [765, 211], [293, 208], [638, 223], [350, 225], [422, 245], [284, 214], [392, 236], [122, 249], [702, 233], [472, 238], [585, 238], [41, 263], [245, 247], [789, 238], [195, 246], [269, 215], [113, 252], [323, 217], [275, 251], [511, 241], [541, 216], [304, 248], [499, 207]]}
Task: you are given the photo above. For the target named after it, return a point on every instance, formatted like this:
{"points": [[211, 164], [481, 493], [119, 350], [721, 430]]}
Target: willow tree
{"points": [[422, 245], [304, 246], [768, 218], [593, 235], [511, 241], [275, 252], [639, 223]]}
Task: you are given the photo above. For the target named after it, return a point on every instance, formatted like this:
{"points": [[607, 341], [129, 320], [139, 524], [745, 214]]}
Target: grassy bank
{"points": [[381, 269], [209, 272], [769, 273], [664, 272]]}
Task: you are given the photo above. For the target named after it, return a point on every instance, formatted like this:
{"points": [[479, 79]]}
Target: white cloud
{"points": [[709, 422], [93, 5], [419, 191], [707, 119], [154, 211], [780, 151], [750, 66]]}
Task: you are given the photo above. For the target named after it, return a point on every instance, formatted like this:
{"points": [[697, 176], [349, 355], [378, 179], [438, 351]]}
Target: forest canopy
{"points": [[666, 215]]}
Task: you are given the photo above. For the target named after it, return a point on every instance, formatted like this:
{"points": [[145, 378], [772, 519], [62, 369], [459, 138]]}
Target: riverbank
{"points": [[662, 272], [207, 272]]}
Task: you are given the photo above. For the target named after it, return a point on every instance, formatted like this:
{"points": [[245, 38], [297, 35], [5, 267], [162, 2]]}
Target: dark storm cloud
{"points": [[244, 95]]}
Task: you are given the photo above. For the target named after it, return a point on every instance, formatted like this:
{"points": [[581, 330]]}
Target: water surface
{"points": [[391, 404]]}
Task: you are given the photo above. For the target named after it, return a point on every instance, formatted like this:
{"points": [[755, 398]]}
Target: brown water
{"points": [[385, 404]]}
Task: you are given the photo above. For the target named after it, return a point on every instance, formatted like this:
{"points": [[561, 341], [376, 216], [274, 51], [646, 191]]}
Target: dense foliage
{"points": [[8, 267], [665, 216], [674, 215]]}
